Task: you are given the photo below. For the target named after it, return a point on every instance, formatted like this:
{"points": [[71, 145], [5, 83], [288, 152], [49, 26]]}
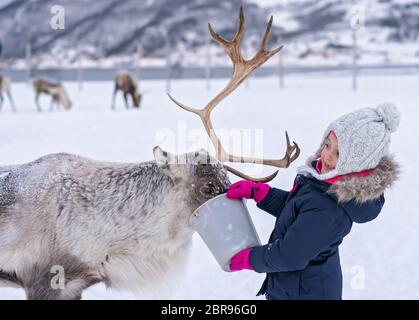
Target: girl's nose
{"points": [[328, 156], [329, 159]]}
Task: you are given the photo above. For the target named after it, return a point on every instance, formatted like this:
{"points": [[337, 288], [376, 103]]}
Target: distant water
{"points": [[159, 73], [147, 73]]}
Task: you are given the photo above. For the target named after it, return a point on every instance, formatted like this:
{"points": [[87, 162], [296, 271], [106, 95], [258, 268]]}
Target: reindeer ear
{"points": [[168, 163], [163, 158]]}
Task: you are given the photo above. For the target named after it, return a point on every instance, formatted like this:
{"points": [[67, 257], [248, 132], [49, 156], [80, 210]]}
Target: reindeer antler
{"points": [[242, 68]]}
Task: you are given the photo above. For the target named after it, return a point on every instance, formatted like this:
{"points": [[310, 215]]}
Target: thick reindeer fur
{"points": [[126, 225]]}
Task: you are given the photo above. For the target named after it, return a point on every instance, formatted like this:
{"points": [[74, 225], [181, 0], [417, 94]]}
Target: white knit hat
{"points": [[363, 140]]}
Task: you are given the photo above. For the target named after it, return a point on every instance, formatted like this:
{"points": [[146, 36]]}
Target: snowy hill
{"points": [[322, 29], [316, 32], [114, 28]]}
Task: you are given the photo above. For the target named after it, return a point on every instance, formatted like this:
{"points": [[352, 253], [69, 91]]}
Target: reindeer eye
{"points": [[206, 190], [209, 190]]}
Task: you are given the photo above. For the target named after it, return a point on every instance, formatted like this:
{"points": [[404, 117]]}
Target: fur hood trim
{"points": [[365, 188]]}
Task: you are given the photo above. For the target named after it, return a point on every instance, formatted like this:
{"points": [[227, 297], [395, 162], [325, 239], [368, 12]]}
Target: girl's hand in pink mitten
{"points": [[249, 190], [240, 260]]}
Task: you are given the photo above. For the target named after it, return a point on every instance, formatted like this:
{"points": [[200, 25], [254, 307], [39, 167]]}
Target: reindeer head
{"points": [[136, 97], [64, 99], [198, 172]]}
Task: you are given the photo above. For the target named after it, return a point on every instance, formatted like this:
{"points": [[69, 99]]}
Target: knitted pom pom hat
{"points": [[363, 140]]}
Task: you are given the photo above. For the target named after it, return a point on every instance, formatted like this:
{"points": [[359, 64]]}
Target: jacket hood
{"points": [[363, 212], [362, 196]]}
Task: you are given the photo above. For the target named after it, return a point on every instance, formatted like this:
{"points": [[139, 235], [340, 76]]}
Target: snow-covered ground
{"points": [[379, 259]]}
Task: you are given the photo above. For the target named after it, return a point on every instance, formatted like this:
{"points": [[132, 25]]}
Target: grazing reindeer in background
{"points": [[126, 225], [5, 86], [55, 90], [128, 86]]}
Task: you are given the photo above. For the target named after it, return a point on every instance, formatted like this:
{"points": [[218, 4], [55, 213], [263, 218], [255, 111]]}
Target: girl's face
{"points": [[330, 153]]}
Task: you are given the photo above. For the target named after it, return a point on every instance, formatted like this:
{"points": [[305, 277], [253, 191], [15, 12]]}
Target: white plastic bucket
{"points": [[226, 227]]}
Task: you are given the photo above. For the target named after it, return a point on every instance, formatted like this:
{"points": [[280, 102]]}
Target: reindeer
{"points": [[128, 86], [53, 88], [68, 222], [5, 86]]}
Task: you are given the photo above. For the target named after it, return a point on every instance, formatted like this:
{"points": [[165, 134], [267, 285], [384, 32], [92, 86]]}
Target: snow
{"points": [[379, 259]]}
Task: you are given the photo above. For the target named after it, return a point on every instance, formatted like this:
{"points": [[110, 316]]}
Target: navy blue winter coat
{"points": [[301, 260]]}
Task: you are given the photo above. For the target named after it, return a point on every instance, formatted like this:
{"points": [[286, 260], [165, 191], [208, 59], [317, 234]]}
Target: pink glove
{"points": [[249, 190], [240, 260]]}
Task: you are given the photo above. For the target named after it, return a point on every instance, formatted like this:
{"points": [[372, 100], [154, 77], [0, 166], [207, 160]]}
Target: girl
{"points": [[342, 183]]}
